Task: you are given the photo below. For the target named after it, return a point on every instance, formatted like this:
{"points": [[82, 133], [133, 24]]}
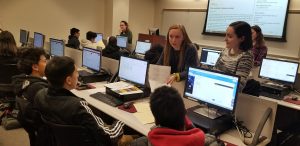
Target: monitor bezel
{"points": [[147, 69], [57, 40], [97, 35], [213, 49], [277, 80], [43, 44], [143, 42], [27, 36], [126, 41], [86, 48], [207, 103]]}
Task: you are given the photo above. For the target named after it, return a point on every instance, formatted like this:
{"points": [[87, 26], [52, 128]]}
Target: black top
{"points": [[111, 51], [190, 59], [73, 42]]}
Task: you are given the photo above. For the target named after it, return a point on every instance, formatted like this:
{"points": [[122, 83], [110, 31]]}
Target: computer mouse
{"points": [[294, 98], [127, 105]]}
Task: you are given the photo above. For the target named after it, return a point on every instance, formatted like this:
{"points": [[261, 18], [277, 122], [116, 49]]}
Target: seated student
{"points": [[259, 49], [32, 64], [112, 50], [59, 105], [90, 41], [154, 53], [237, 58], [73, 41], [172, 129], [179, 53]]}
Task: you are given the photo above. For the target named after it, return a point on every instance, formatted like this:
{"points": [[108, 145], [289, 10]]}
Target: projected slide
{"points": [[268, 14]]}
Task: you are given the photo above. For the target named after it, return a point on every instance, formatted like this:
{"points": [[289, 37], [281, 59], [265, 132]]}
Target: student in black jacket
{"points": [[32, 64], [112, 50], [154, 53], [73, 41], [59, 105]]}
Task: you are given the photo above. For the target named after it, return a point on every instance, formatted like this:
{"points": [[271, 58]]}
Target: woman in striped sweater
{"points": [[237, 58]]}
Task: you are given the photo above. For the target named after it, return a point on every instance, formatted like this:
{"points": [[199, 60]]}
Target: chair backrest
{"points": [[70, 135], [8, 70], [253, 110]]}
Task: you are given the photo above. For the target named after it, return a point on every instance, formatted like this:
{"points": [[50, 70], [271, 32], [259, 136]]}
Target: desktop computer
{"points": [[217, 94], [281, 74], [91, 59]]}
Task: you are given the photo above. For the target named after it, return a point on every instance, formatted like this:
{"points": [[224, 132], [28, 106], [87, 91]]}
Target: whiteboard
{"points": [[194, 19]]}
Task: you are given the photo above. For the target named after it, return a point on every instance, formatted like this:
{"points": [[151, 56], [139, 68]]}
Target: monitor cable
{"points": [[243, 131]]}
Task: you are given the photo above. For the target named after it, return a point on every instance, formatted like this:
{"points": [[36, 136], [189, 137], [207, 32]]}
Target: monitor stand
{"points": [[208, 112], [208, 124]]}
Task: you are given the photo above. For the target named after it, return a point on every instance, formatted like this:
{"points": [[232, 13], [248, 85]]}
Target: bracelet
{"points": [[177, 76]]}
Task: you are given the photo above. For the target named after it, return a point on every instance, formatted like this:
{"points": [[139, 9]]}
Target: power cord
{"points": [[243, 131]]}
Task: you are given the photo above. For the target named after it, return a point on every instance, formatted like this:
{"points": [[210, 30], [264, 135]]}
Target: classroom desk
{"points": [[131, 121]]}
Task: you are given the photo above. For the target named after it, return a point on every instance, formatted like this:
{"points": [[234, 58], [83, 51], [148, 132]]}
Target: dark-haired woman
{"points": [[259, 49], [125, 31], [237, 58]]}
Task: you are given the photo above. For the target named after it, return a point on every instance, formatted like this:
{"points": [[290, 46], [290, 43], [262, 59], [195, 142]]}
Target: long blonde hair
{"points": [[185, 43]]}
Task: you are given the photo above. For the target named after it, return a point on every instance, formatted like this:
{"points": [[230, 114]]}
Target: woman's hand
{"points": [[171, 79]]}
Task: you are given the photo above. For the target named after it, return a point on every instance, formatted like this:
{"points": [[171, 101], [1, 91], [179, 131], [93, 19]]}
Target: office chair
{"points": [[69, 135]]}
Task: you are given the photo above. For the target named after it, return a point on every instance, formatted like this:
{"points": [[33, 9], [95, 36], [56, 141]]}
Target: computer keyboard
{"points": [[108, 99]]}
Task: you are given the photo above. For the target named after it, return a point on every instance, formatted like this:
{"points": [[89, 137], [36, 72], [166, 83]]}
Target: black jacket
{"points": [[112, 51], [63, 107], [73, 42], [25, 87]]}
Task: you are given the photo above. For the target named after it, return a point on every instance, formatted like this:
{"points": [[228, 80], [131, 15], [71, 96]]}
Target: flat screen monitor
{"points": [[122, 41], [209, 56], [133, 70], [24, 35], [38, 41], [99, 37], [142, 47], [57, 47], [279, 70], [153, 31], [215, 89], [270, 15], [91, 59]]}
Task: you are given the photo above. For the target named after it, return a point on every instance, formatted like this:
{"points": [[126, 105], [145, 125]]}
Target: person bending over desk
{"points": [[259, 49], [73, 41], [125, 31], [90, 41], [179, 53], [237, 58], [112, 50], [59, 105], [32, 64]]}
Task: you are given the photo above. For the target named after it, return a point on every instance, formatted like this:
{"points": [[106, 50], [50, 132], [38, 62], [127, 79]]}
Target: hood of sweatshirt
{"points": [[165, 136]]}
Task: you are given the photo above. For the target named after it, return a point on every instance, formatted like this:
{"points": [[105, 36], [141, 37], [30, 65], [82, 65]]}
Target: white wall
{"points": [[54, 18], [120, 12], [141, 17], [289, 48]]}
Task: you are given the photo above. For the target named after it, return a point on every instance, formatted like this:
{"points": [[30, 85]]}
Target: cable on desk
{"points": [[243, 131]]}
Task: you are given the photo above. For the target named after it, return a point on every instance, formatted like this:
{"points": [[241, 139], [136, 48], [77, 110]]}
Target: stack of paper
{"points": [[143, 113]]}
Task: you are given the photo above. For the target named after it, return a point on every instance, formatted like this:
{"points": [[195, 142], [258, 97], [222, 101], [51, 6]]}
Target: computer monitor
{"points": [[142, 47], [209, 56], [215, 89], [91, 59], [133, 70], [122, 41], [153, 31], [24, 35], [38, 41], [57, 47], [99, 37], [282, 71]]}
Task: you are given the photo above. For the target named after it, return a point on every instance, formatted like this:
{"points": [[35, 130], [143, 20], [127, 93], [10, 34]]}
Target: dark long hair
{"points": [[259, 40], [243, 29], [8, 46]]}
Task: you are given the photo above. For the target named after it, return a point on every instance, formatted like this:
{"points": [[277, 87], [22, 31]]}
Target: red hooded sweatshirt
{"points": [[162, 136]]}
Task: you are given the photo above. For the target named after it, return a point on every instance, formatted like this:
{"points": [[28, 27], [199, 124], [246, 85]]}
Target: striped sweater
{"points": [[240, 65]]}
